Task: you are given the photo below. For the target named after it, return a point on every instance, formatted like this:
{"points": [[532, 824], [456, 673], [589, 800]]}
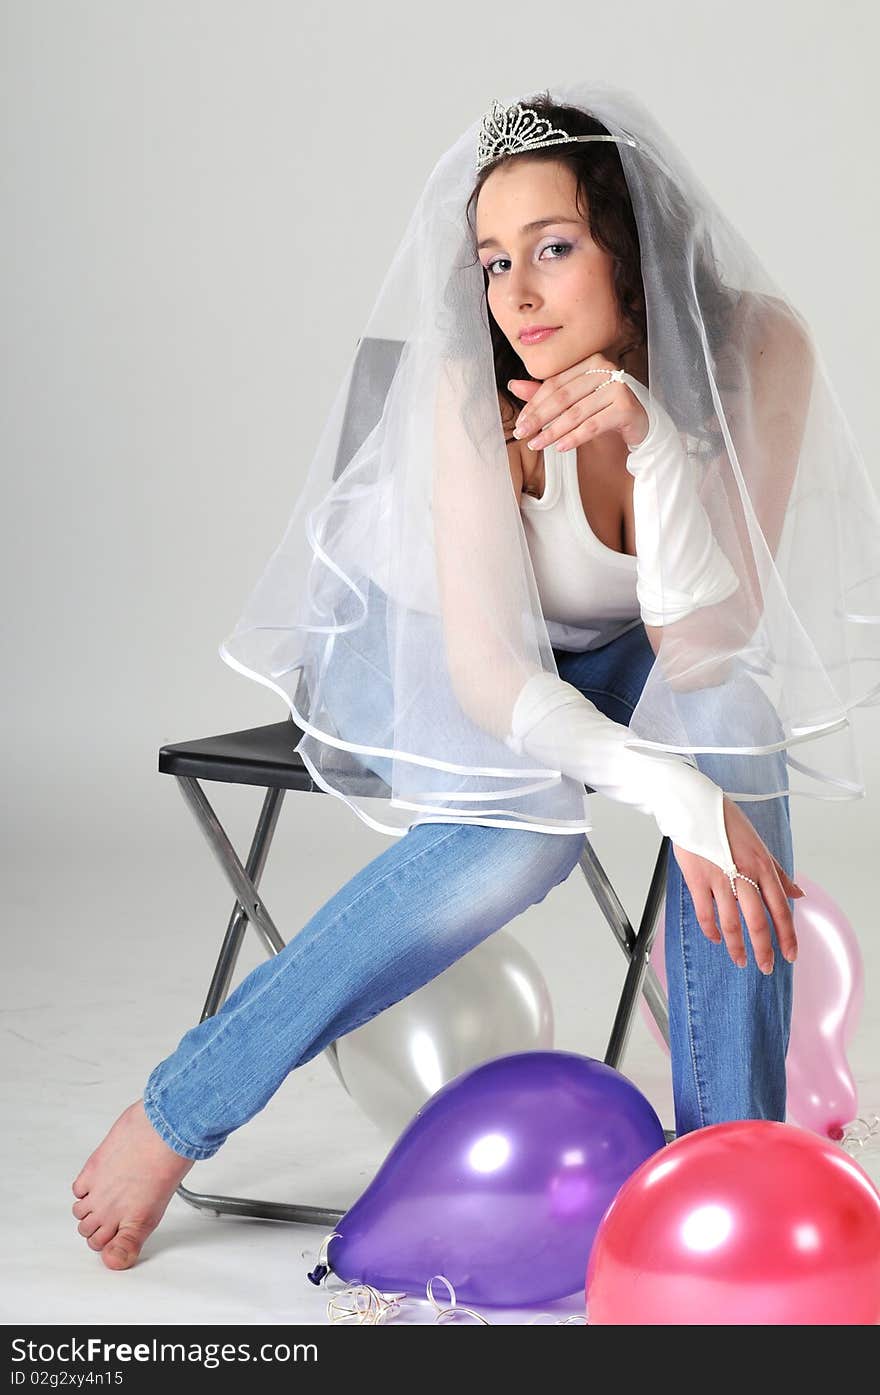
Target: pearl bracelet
{"points": [[732, 875]]}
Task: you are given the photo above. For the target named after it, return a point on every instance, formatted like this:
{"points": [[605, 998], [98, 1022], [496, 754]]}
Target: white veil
{"points": [[399, 615]]}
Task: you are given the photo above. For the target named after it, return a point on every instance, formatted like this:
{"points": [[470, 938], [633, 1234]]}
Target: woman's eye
{"points": [[563, 247]]}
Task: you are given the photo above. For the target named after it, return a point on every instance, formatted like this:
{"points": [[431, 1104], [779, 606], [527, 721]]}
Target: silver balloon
{"points": [[491, 1002]]}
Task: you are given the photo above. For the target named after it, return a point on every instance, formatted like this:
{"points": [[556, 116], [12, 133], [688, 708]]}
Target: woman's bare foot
{"points": [[125, 1187]]}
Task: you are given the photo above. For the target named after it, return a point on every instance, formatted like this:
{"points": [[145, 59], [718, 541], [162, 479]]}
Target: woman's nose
{"points": [[520, 292]]}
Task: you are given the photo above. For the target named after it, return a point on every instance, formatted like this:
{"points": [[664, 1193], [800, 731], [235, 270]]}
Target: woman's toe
{"points": [[102, 1236], [122, 1251]]}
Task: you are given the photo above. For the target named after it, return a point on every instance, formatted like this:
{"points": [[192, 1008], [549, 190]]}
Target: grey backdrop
{"points": [[199, 201]]}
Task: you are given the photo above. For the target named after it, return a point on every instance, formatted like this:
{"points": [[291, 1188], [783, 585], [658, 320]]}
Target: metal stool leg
{"points": [[248, 907], [640, 977]]}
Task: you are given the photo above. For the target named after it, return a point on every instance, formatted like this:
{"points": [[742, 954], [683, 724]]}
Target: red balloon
{"points": [[749, 1222]]}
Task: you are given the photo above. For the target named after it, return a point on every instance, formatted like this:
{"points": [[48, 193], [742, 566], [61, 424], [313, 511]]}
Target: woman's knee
{"points": [[555, 865], [499, 872], [738, 716], [736, 712], [531, 864]]}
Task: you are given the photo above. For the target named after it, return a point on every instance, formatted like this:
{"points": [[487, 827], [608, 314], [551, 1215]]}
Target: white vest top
{"points": [[580, 580]]}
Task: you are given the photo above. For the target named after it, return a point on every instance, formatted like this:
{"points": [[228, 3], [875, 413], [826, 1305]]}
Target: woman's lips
{"points": [[536, 338]]}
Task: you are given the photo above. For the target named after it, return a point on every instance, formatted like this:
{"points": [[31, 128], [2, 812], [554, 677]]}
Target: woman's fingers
{"points": [[789, 884], [731, 926], [783, 920], [580, 423], [704, 909], [756, 903], [751, 903]]}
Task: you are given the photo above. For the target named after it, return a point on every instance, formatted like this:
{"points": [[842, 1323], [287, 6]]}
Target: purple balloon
{"points": [[500, 1181]]}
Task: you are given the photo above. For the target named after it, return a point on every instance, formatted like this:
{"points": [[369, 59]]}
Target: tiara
{"points": [[511, 130]]}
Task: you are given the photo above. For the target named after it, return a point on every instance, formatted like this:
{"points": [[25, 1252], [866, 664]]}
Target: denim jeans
{"points": [[441, 889]]}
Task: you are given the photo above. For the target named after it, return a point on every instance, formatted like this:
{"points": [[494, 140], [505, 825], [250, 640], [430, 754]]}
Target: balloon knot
{"points": [[319, 1272]]}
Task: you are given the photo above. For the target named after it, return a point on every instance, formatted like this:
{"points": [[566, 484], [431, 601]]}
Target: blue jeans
{"points": [[438, 891]]}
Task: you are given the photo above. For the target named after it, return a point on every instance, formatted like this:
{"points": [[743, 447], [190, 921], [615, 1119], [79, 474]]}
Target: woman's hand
{"points": [[706, 880], [575, 406]]}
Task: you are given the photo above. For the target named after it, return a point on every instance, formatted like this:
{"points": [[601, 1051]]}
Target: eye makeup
{"points": [[563, 247]]}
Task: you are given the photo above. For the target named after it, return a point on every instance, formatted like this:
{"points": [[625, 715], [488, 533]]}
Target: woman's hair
{"points": [[603, 200]]}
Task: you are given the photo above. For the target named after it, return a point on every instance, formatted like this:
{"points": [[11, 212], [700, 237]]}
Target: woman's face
{"points": [[550, 275]]}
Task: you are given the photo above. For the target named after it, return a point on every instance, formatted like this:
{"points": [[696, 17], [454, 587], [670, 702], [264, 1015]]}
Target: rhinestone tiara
{"points": [[511, 130]]}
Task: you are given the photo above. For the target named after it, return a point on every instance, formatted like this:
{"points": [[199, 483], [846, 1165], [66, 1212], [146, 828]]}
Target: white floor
{"points": [[113, 940]]}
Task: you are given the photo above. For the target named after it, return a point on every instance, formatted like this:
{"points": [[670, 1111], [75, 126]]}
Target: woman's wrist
{"points": [[555, 724], [688, 807]]}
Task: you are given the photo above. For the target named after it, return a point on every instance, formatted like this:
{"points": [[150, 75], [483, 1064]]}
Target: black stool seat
{"points": [[262, 756], [257, 756]]}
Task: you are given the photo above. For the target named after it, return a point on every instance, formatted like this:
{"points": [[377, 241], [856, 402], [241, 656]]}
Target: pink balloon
{"points": [[829, 987], [828, 996], [751, 1222]]}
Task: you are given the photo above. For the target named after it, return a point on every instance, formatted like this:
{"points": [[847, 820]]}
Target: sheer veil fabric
{"points": [[399, 616]]}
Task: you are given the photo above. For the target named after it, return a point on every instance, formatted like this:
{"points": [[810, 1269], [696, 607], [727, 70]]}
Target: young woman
{"points": [[478, 635]]}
